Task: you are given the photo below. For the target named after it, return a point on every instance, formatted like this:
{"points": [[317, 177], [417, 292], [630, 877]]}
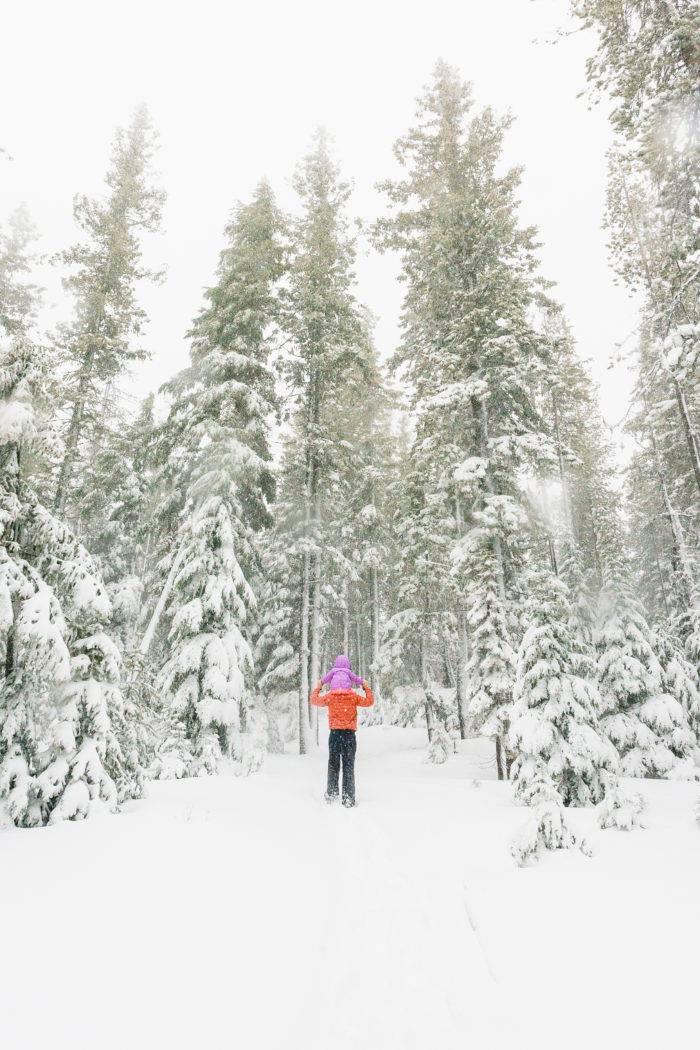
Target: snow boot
{"points": [[330, 799], [349, 803]]}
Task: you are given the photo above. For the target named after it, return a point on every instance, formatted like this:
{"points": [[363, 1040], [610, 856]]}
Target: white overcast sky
{"points": [[236, 89]]}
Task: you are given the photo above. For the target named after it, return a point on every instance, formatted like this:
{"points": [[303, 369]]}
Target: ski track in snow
{"points": [[222, 912]]}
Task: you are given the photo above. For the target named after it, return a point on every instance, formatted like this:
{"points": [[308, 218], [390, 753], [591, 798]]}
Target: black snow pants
{"points": [[342, 744]]}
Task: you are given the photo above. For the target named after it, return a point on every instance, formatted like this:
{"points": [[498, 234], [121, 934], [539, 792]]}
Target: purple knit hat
{"points": [[340, 676]]}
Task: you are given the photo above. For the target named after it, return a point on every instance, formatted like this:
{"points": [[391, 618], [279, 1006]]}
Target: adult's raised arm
{"points": [[316, 699], [368, 699]]}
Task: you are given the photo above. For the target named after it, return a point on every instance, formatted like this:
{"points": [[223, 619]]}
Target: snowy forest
{"points": [[411, 403], [176, 575]]}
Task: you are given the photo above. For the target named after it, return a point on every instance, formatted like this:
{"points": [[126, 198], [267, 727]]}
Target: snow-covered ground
{"points": [[228, 912]]}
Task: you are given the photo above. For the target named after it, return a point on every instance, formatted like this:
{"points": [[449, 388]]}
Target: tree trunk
{"points": [[315, 672], [659, 573], [596, 545], [690, 435], [450, 676], [10, 641], [568, 516], [425, 682], [674, 521], [304, 658], [346, 620], [374, 675], [552, 554], [161, 603], [462, 674], [69, 453], [497, 545], [463, 636], [499, 758]]}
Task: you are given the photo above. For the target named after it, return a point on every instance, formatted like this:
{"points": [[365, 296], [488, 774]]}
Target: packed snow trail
{"points": [[226, 912]]}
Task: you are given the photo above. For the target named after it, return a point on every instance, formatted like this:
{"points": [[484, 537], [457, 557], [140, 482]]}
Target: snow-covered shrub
{"points": [[250, 747], [547, 827], [620, 808], [173, 758], [251, 757], [439, 747]]}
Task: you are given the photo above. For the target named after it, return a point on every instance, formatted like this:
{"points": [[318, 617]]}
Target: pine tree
{"points": [[65, 735], [104, 726], [204, 674], [328, 340], [216, 440], [679, 678], [555, 717], [118, 494], [491, 665], [101, 343], [36, 664], [35, 659], [645, 723], [547, 827], [469, 352], [19, 298], [412, 642], [215, 443], [648, 62], [356, 537], [584, 462], [276, 652]]}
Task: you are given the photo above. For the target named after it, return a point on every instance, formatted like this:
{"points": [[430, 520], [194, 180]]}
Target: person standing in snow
{"points": [[342, 703]]}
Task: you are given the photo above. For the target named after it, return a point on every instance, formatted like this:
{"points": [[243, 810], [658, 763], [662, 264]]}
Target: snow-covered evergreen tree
{"points": [[547, 827], [645, 723], [555, 718], [491, 665], [117, 493], [216, 463], [19, 297], [276, 653], [679, 677], [646, 62], [584, 466], [469, 352], [411, 643], [327, 333], [208, 654], [36, 664], [100, 344], [104, 726], [65, 736], [216, 440]]}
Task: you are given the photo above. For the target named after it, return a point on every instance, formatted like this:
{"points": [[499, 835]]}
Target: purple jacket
{"points": [[340, 676]]}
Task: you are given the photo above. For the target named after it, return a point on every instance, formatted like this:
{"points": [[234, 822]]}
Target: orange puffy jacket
{"points": [[342, 705]]}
